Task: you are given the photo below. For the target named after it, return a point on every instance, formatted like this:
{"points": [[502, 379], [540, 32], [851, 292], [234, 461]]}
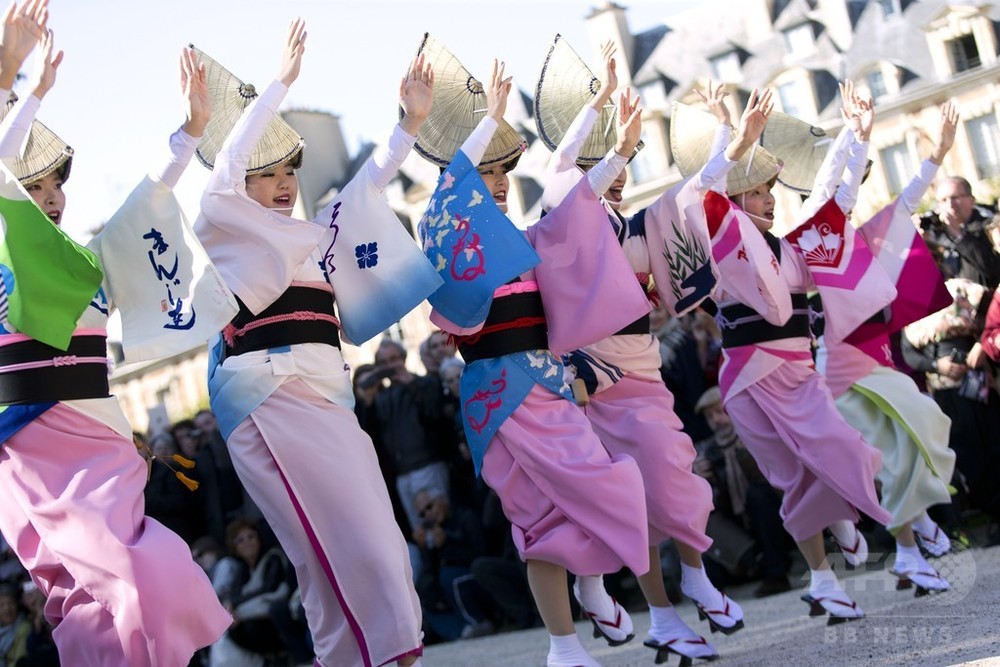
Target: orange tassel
{"points": [[182, 461], [187, 481]]}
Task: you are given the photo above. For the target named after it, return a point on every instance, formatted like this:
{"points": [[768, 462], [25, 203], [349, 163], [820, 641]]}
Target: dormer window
{"points": [[876, 84], [800, 40], [964, 53], [889, 8], [726, 67], [792, 96]]}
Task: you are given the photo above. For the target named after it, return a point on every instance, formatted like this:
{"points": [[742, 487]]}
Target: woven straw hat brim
{"points": [[230, 96], [800, 146], [691, 134], [565, 86], [459, 105], [43, 154]]}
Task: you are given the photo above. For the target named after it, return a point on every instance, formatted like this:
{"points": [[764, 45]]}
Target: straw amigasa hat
{"points": [[801, 146], [565, 86], [230, 97], [691, 132], [43, 153], [459, 105]]}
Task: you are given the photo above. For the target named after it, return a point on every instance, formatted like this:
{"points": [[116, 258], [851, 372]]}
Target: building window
{"points": [[984, 137], [800, 40], [964, 54], [792, 98], [726, 67], [645, 166], [896, 165], [653, 95], [889, 7], [876, 84]]}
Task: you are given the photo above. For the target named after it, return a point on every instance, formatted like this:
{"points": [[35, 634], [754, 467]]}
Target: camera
{"points": [[958, 357]]}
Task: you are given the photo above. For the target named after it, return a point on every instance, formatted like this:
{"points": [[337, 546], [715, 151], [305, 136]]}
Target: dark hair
{"points": [[206, 544], [235, 527]]}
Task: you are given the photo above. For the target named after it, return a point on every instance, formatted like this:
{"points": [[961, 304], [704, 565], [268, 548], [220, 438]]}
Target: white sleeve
{"points": [[604, 173], [857, 161], [828, 176], [386, 160], [578, 131], [16, 125], [916, 188], [477, 142], [182, 148], [712, 176]]}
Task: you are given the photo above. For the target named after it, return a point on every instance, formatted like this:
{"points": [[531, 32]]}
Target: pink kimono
{"points": [[781, 407]]}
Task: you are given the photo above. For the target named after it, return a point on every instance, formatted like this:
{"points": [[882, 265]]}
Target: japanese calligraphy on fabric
{"points": [[48, 280], [471, 244], [491, 390], [920, 287], [159, 277], [376, 268], [749, 271], [679, 244], [851, 283]]}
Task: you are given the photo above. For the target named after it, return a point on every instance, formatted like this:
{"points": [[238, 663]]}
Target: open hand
{"points": [[609, 80], [497, 91], [629, 123], [295, 46], [45, 75], [23, 28], [195, 92], [715, 100], [946, 132], [416, 95]]}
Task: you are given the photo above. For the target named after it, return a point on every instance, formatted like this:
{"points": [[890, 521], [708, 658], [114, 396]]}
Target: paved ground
{"points": [[960, 627]]}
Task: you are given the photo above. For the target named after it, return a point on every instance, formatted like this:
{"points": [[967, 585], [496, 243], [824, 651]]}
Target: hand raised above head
{"points": [[715, 99], [946, 132], [48, 63], [198, 105], [629, 123], [758, 110], [295, 46], [23, 28], [416, 94], [497, 91], [609, 77]]}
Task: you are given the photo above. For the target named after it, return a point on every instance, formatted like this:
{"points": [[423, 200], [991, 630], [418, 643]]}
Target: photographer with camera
{"points": [[405, 412]]}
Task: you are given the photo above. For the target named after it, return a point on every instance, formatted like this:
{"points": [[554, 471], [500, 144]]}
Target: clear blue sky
{"points": [[116, 99]]}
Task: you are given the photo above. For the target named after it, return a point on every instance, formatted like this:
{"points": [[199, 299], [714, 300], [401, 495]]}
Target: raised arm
{"points": [[198, 111], [712, 176], [416, 95], [235, 153], [17, 124], [23, 28], [915, 189], [862, 120], [497, 91], [568, 150], [831, 170], [629, 120]]}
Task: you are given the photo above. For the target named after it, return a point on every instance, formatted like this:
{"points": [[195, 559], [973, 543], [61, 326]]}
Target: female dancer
{"points": [[632, 411], [886, 406], [71, 484], [282, 393], [778, 402], [572, 506]]}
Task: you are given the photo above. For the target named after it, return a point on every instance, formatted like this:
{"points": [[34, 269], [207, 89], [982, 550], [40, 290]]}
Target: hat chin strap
{"points": [[743, 201]]}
